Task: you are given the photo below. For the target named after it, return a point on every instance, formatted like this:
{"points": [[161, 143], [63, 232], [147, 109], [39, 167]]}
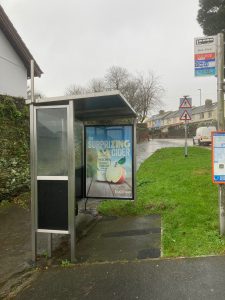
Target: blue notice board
{"points": [[218, 157]]}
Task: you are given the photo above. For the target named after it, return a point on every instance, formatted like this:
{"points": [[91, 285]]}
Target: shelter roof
{"points": [[109, 105]]}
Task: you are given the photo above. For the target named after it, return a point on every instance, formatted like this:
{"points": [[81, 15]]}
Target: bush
{"points": [[14, 147]]}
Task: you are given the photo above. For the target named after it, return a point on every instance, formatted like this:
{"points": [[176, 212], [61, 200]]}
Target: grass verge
{"points": [[181, 191]]}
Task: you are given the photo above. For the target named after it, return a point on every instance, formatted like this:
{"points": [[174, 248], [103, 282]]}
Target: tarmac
{"points": [[157, 279], [142, 240]]}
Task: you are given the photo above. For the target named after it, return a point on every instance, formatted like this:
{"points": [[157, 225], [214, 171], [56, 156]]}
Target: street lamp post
{"points": [[200, 94]]}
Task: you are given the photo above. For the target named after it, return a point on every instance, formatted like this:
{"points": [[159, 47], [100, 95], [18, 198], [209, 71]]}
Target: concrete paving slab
{"points": [[121, 238]]}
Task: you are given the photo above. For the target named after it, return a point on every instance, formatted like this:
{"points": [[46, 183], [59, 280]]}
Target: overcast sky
{"points": [[74, 41]]}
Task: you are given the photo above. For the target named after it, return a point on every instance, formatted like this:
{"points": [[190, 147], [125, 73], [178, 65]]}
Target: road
{"points": [[146, 149]]}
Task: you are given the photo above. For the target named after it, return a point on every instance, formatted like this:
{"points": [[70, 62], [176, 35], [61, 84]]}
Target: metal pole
{"points": [[185, 143], [32, 80], [135, 158], [71, 181], [33, 186], [200, 94], [220, 115], [32, 168]]}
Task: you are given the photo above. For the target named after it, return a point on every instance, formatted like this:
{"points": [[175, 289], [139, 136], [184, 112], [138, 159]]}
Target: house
{"points": [[156, 121], [14, 60], [205, 113]]}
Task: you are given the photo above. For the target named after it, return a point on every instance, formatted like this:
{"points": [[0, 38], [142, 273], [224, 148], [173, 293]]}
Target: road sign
{"points": [[185, 108], [218, 157], [184, 103], [205, 56], [185, 115]]}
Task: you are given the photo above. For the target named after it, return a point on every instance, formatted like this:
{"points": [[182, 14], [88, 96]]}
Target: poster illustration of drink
{"points": [[109, 161]]}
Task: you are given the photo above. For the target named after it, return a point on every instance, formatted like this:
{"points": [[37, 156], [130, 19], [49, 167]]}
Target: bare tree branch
{"points": [[75, 90]]}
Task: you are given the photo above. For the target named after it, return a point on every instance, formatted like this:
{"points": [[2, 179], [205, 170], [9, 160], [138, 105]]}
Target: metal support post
{"points": [[32, 80], [33, 168], [185, 143], [71, 181], [135, 158], [33, 186], [220, 114]]}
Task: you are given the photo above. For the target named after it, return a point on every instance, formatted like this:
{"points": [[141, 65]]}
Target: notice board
{"points": [[218, 157]]}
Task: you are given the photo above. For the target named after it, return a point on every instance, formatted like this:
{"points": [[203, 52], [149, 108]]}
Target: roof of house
{"points": [[171, 114], [17, 43], [159, 116], [204, 108]]}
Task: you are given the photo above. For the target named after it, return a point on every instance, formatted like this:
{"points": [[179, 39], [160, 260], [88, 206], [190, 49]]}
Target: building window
{"points": [[201, 115], [209, 114]]}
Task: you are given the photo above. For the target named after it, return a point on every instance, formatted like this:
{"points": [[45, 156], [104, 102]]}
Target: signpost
{"points": [[205, 56], [209, 61], [185, 111]]}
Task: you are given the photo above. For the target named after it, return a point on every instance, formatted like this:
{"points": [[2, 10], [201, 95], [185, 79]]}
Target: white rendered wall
{"points": [[13, 74]]}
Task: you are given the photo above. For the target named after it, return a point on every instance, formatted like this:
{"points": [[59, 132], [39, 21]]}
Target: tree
{"points": [[143, 92], [75, 90], [211, 16], [148, 95], [116, 78], [96, 85]]}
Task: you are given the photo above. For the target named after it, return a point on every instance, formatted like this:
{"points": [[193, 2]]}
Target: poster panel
{"points": [[218, 157], [109, 161]]}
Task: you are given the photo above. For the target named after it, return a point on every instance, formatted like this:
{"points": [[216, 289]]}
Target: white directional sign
{"points": [[185, 108]]}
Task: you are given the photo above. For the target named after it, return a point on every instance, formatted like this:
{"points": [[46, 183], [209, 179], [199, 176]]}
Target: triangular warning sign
{"points": [[185, 103], [185, 116]]}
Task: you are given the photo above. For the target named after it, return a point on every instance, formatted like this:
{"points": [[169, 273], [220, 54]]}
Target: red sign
{"points": [[204, 56]]}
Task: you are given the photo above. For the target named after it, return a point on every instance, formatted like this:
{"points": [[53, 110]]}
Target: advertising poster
{"points": [[218, 157], [109, 161]]}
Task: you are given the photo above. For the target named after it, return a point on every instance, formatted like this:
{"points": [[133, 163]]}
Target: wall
{"points": [[13, 74]]}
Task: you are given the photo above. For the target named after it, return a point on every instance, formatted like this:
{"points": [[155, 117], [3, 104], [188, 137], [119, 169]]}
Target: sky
{"points": [[74, 41]]}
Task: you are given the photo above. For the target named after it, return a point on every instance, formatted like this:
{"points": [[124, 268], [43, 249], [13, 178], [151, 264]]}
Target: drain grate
{"points": [[131, 232]]}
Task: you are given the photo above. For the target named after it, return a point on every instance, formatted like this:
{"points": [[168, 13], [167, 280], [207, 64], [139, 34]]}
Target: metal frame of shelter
{"points": [[103, 108]]}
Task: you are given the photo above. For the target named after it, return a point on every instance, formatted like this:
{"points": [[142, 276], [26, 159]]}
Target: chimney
{"points": [[208, 103], [161, 112]]}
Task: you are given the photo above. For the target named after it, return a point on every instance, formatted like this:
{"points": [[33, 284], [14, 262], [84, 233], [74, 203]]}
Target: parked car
{"points": [[203, 135]]}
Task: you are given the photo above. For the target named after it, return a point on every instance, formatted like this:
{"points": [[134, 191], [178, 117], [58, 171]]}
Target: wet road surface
{"points": [[146, 149]]}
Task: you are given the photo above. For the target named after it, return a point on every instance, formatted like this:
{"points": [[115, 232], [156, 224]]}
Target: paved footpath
{"points": [[176, 279]]}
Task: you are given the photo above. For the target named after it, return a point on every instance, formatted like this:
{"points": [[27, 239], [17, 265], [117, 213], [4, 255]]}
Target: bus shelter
{"points": [[81, 147]]}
